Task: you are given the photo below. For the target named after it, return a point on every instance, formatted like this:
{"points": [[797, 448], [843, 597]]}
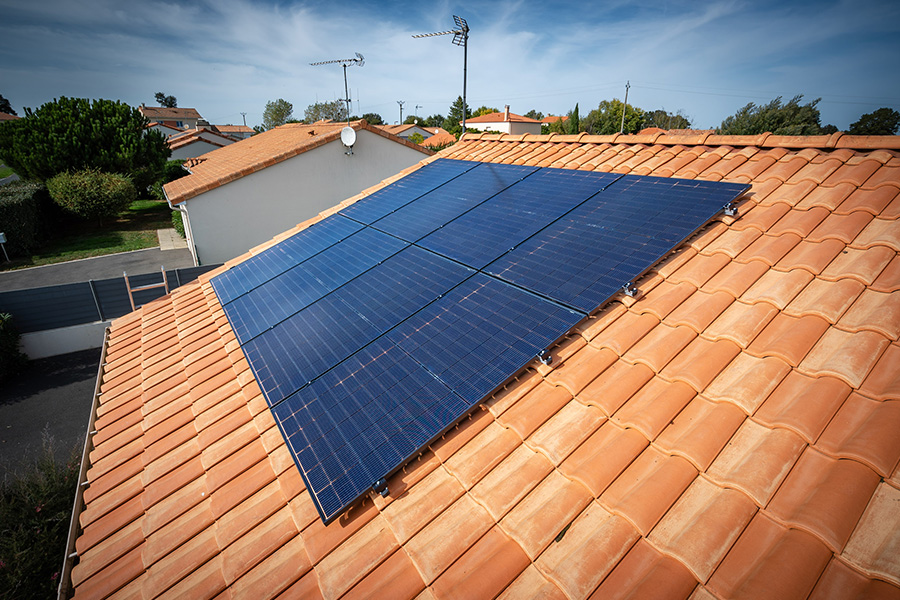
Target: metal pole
{"points": [[465, 63], [346, 93], [96, 300], [624, 107]]}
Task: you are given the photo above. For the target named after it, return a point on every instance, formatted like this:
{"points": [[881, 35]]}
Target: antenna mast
{"points": [[625, 106], [345, 62], [401, 103], [460, 38]]}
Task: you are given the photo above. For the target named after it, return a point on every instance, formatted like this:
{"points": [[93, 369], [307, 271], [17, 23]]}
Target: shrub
{"points": [[177, 222], [35, 509], [11, 358], [92, 193], [23, 207]]}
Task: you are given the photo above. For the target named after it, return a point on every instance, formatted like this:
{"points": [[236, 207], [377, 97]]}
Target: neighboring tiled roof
{"points": [[499, 117], [731, 432], [398, 129], [191, 136], [551, 119], [442, 138], [233, 128], [8, 117], [161, 113], [255, 153]]}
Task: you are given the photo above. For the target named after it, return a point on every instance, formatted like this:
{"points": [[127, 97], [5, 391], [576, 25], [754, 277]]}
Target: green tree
{"points": [[484, 110], [416, 138], [336, 110], [791, 118], [6, 107], [452, 122], [665, 120], [884, 121], [166, 101], [73, 134], [373, 119], [606, 119], [434, 121], [277, 112], [533, 114], [573, 122], [411, 120]]}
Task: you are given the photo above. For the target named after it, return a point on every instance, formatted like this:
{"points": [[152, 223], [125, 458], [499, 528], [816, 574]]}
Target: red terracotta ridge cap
{"points": [[867, 142]]}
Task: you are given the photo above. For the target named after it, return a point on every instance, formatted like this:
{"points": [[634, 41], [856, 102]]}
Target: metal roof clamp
{"points": [[544, 357], [629, 289], [730, 210], [380, 486]]}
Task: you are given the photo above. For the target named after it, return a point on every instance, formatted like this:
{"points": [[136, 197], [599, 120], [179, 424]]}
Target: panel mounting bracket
{"points": [[730, 209], [629, 289], [381, 487], [544, 357]]}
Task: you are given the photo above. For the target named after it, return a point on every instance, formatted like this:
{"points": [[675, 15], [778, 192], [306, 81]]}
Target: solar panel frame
{"points": [[439, 329]]}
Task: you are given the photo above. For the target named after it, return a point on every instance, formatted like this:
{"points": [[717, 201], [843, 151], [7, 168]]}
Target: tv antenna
{"points": [[344, 62], [460, 38]]}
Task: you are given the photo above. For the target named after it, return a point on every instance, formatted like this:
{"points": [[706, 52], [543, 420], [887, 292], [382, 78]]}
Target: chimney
{"points": [[506, 113]]}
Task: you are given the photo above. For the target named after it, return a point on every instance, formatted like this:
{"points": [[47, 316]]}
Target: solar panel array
{"points": [[375, 330]]}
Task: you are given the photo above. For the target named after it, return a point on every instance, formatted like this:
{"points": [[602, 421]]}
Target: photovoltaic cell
{"points": [[494, 227], [419, 218], [270, 303], [587, 256], [273, 261], [388, 199], [366, 347]]}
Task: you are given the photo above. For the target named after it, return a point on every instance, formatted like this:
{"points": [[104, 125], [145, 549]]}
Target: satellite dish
{"points": [[348, 136]]}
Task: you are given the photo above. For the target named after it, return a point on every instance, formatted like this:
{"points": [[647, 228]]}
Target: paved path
{"points": [[52, 396], [148, 260], [170, 240]]}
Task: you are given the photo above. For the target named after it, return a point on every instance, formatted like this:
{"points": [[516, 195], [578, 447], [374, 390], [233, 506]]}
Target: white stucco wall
{"points": [[229, 220], [193, 150], [510, 127]]}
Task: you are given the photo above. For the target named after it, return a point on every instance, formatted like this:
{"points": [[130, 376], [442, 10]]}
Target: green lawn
{"points": [[134, 229], [5, 171]]}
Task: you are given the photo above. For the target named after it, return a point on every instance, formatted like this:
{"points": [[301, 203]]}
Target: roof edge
{"points": [[320, 140], [838, 140]]}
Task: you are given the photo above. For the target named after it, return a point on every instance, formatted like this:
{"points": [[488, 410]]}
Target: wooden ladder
{"points": [[150, 286]]}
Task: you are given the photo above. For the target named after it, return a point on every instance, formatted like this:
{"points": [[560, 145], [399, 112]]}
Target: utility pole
{"points": [[624, 107], [401, 103], [418, 106], [244, 116]]}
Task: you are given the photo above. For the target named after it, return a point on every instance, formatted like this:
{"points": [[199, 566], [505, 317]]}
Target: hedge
{"points": [[23, 206], [11, 358], [91, 193]]}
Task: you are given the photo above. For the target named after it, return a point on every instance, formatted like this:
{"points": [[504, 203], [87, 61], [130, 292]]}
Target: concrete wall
{"points": [[54, 342], [229, 220]]}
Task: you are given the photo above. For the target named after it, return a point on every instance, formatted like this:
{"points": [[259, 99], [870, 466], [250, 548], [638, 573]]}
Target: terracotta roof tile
{"points": [[587, 551], [702, 526], [732, 425]]}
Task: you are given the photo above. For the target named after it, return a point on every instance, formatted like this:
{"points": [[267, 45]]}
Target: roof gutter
{"points": [[65, 581]]}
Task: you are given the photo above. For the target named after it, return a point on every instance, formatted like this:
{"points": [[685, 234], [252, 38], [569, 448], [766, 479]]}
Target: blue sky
{"points": [[706, 59]]}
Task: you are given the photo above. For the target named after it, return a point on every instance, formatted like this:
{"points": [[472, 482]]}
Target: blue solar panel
{"points": [[270, 303], [388, 199], [366, 347], [422, 216], [493, 227], [587, 256], [273, 261], [369, 414], [480, 333]]}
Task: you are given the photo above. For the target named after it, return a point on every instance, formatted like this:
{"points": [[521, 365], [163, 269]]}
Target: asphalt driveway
{"points": [[51, 398]]}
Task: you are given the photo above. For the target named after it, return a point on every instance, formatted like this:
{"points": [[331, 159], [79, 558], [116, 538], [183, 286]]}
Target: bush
{"points": [[35, 509], [23, 207], [177, 222], [92, 193], [11, 358]]}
